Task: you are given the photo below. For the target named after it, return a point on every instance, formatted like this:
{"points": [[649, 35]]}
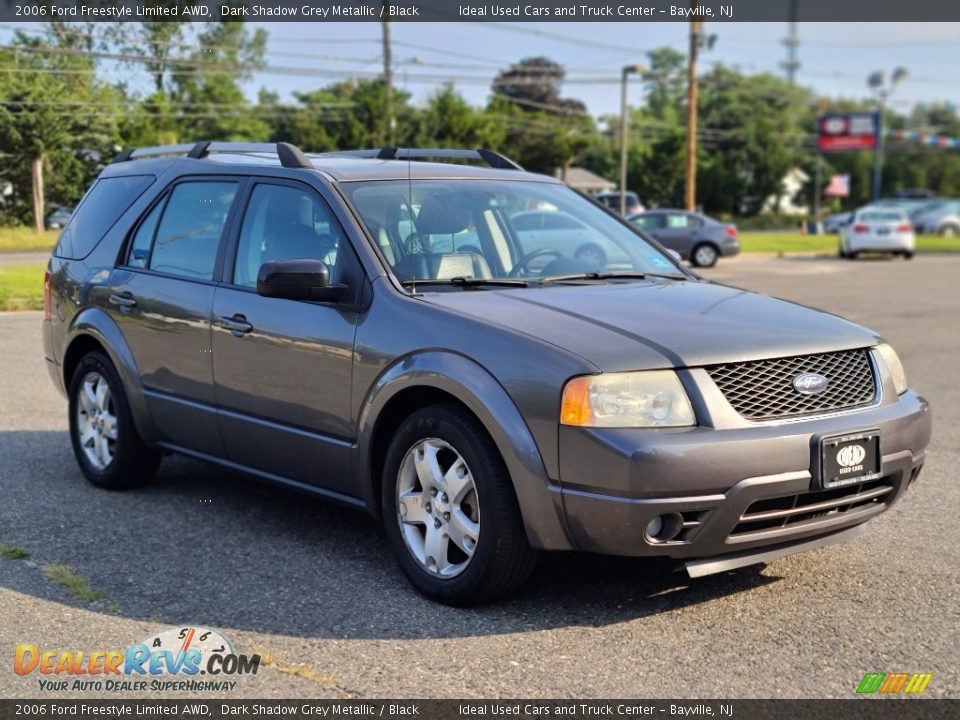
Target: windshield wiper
{"points": [[626, 274], [593, 276], [461, 281]]}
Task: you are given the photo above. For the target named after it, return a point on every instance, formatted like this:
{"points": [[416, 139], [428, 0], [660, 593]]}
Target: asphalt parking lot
{"points": [[312, 587]]}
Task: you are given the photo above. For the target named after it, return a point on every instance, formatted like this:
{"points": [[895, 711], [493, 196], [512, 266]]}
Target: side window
{"points": [[283, 222], [558, 221], [189, 232], [99, 209], [649, 222], [525, 223], [139, 254], [680, 220]]}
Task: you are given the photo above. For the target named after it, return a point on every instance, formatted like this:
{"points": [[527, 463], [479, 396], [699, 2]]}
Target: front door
{"points": [[283, 368]]}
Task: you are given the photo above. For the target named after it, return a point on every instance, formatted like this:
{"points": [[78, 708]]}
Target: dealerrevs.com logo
{"points": [[175, 659]]}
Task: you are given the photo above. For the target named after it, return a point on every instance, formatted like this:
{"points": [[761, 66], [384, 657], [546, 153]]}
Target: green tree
{"points": [[56, 120]]}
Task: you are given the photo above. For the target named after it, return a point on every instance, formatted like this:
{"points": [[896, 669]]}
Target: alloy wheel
{"points": [[437, 508], [96, 420]]}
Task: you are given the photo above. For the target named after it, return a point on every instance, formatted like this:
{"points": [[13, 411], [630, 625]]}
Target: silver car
{"points": [[878, 229], [942, 218], [696, 237]]}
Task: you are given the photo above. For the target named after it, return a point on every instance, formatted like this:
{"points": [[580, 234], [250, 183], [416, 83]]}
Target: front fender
{"points": [[471, 384], [96, 323]]}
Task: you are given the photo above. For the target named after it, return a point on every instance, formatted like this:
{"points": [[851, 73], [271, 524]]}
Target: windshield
{"points": [[432, 230]]}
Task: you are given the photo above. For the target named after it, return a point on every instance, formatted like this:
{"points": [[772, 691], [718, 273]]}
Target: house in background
{"points": [[582, 179], [784, 204]]}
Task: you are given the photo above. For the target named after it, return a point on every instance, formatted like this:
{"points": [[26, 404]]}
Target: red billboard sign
{"points": [[837, 132]]}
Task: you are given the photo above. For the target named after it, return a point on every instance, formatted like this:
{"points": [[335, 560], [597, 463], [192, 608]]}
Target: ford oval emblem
{"points": [[810, 383]]}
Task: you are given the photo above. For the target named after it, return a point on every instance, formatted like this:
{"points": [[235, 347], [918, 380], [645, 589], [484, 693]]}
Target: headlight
{"points": [[653, 398], [890, 359]]}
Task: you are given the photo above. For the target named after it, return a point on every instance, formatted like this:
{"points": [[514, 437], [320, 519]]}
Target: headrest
{"points": [[287, 207], [440, 215]]}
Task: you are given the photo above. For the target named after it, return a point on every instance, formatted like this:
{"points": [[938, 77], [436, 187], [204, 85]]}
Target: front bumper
{"points": [[736, 488]]}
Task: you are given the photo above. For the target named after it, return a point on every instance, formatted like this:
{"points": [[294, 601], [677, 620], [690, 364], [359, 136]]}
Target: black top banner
{"points": [[502, 709], [479, 10]]}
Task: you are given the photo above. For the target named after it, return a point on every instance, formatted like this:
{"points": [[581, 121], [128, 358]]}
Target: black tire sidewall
{"points": [[490, 478], [132, 462]]}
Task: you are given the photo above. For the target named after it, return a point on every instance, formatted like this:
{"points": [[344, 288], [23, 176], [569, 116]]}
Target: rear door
{"points": [[680, 232], [161, 298], [283, 368]]}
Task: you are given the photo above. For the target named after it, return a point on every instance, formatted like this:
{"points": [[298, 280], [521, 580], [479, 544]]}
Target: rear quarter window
{"points": [[99, 209]]}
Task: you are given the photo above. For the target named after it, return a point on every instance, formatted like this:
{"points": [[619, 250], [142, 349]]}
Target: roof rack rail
{"points": [[290, 155], [492, 158]]}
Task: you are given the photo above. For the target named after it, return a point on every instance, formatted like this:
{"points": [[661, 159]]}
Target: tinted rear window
{"points": [[100, 208]]}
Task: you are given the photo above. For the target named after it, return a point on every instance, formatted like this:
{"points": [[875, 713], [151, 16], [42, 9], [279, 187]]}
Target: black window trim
{"points": [[235, 225], [163, 197]]}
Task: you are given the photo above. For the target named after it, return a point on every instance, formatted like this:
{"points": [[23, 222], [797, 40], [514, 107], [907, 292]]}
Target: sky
{"points": [[835, 58]]}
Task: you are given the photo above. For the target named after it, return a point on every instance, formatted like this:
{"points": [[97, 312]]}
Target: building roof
{"points": [[582, 179]]}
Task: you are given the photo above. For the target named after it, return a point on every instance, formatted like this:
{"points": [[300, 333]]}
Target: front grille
{"points": [[763, 389], [809, 508]]}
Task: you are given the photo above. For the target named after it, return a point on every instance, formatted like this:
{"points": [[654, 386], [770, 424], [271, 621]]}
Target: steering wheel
{"points": [[521, 266], [416, 240]]}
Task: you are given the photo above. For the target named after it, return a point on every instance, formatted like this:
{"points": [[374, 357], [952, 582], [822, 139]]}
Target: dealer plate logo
{"points": [[851, 455]]}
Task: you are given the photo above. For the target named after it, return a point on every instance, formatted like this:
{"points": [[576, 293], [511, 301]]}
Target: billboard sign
{"points": [[838, 132]]}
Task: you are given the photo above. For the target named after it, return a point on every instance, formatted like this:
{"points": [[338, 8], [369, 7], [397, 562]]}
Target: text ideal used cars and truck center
{"points": [[373, 327]]}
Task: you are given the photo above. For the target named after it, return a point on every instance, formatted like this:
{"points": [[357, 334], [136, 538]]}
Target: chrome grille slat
{"points": [[817, 507], [811, 508], [763, 389]]}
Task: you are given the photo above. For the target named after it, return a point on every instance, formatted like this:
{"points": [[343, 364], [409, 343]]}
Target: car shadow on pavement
{"points": [[205, 545]]}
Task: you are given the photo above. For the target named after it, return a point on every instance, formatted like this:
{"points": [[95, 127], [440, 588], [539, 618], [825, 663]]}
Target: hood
{"points": [[660, 323]]}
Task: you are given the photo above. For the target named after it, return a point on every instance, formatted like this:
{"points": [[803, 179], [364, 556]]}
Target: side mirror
{"points": [[298, 279], [674, 254]]}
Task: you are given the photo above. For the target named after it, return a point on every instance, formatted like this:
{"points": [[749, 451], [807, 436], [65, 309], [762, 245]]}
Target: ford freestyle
{"points": [[371, 327]]}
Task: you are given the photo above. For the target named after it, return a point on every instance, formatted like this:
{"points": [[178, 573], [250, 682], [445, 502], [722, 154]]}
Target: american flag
{"points": [[839, 186]]}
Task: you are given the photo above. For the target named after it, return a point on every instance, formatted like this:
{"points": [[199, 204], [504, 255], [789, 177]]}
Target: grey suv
{"points": [[373, 330]]}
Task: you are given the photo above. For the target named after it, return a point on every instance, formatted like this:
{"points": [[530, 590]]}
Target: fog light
{"points": [[664, 528]]}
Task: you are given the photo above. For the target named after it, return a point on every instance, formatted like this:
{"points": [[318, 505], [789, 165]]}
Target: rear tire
{"points": [[907, 255], [950, 230], [449, 510], [105, 441], [704, 255]]}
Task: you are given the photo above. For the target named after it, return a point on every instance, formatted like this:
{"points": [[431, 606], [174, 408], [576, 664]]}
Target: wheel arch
{"points": [[428, 378], [93, 329]]}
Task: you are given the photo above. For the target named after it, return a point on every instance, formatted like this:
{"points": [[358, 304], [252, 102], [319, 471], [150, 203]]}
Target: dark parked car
{"points": [[834, 224], [314, 321], [696, 237], [612, 200], [57, 218]]}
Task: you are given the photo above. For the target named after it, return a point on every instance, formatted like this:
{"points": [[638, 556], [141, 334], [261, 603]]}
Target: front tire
{"points": [[704, 255], [449, 510], [105, 441]]}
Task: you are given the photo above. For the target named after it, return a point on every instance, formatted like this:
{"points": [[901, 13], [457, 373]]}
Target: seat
{"points": [[442, 215], [288, 236]]}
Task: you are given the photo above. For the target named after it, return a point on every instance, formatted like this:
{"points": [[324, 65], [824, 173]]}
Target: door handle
{"points": [[237, 325], [124, 300]]}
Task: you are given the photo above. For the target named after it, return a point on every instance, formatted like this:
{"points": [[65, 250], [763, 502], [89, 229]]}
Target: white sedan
{"points": [[873, 229]]}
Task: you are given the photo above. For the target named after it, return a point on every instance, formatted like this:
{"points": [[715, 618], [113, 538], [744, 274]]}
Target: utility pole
{"points": [[696, 27], [878, 81], [624, 127], [792, 41], [388, 84]]}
